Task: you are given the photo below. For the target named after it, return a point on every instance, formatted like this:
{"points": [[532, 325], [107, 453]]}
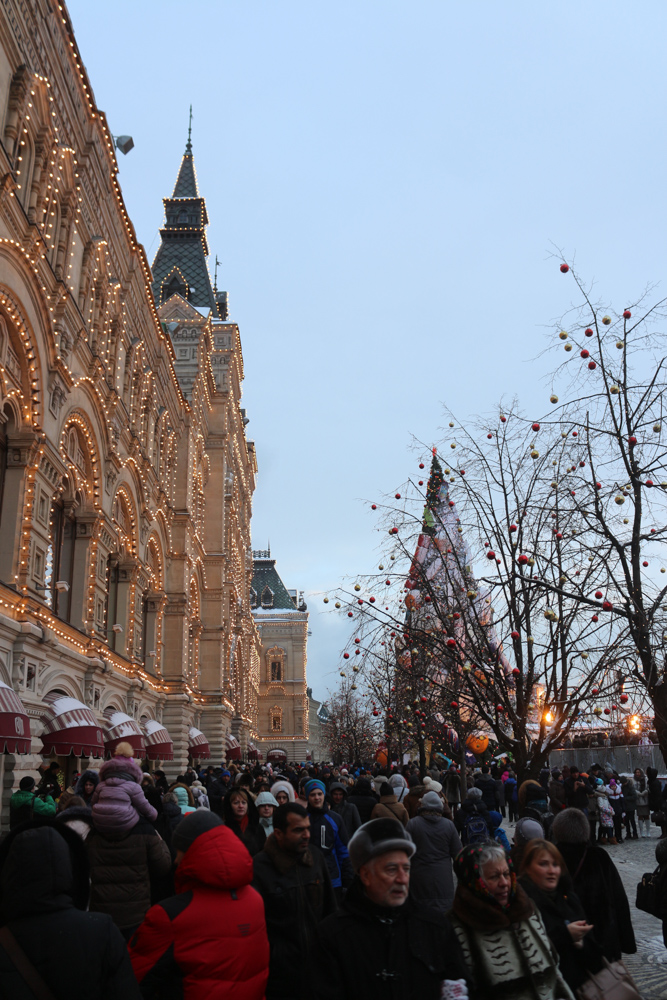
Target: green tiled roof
{"points": [[180, 262], [265, 575]]}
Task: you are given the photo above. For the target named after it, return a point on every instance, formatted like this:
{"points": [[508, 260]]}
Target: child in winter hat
{"points": [[119, 800]]}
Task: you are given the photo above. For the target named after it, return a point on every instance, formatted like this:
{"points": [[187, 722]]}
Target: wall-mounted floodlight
{"points": [[153, 653], [124, 143], [117, 628], [62, 586]]}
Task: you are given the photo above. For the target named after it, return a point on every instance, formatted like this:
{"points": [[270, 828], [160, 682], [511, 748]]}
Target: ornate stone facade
{"points": [[126, 478], [282, 620]]}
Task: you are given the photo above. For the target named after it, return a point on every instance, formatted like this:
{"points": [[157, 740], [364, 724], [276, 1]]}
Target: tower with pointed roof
{"points": [[180, 263]]}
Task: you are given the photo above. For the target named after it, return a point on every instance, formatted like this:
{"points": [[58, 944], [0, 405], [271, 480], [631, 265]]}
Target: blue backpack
{"points": [[475, 830]]}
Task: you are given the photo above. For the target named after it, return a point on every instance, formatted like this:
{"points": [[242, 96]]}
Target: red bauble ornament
{"points": [[489, 435], [516, 671], [514, 527], [424, 698], [421, 465], [515, 635], [374, 506], [626, 314], [451, 643], [649, 482], [346, 656], [499, 708], [421, 482], [559, 536], [376, 713], [594, 618], [623, 699], [372, 600], [536, 426], [607, 605], [598, 486], [607, 711], [357, 640], [588, 332], [490, 554], [388, 583], [592, 365], [456, 615], [451, 503], [503, 420], [595, 690], [564, 268], [645, 563], [427, 599], [398, 496], [598, 594], [453, 704], [349, 614], [632, 439], [522, 560], [393, 531], [614, 707], [585, 353], [575, 434]]}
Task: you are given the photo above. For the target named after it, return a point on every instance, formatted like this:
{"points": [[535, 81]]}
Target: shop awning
{"points": [[197, 744], [276, 754], [14, 722], [123, 729], [159, 744], [232, 747], [253, 752], [71, 728]]}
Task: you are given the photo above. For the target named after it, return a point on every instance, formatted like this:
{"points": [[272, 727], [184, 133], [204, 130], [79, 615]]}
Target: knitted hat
{"points": [[313, 785], [386, 789], [266, 799], [191, 826], [378, 836], [27, 784], [431, 801], [225, 774]]}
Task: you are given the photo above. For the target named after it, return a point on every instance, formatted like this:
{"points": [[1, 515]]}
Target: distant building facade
{"points": [[281, 617], [126, 477]]}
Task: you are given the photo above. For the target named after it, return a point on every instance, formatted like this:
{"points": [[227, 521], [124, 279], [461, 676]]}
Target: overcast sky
{"points": [[385, 182]]}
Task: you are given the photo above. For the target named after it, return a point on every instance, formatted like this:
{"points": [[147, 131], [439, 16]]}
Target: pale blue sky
{"points": [[384, 182]]}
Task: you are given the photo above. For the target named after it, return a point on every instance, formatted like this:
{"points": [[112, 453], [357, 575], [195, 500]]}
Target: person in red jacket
{"points": [[209, 941]]}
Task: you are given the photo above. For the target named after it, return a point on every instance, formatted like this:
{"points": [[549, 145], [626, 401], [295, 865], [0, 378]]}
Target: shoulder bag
{"points": [[612, 982]]}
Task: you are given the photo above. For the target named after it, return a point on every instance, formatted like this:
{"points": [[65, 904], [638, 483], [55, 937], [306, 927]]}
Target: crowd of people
{"points": [[314, 881]]}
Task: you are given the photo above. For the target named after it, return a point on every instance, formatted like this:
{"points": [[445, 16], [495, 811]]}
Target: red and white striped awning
{"points": [[71, 728], [159, 744], [233, 747], [123, 729], [14, 722], [253, 752], [198, 747], [276, 754]]}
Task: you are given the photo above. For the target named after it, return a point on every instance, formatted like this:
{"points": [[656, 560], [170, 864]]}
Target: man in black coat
{"points": [[577, 790], [347, 812], [296, 888], [364, 798], [487, 785], [378, 946], [44, 887]]}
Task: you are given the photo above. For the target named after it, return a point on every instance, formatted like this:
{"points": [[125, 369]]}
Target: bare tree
{"points": [[518, 582]]}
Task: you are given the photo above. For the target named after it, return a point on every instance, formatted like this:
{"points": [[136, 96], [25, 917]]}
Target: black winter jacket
{"points": [[297, 895], [487, 786], [364, 798], [378, 953], [599, 888], [121, 871], [654, 790], [43, 895], [557, 910]]}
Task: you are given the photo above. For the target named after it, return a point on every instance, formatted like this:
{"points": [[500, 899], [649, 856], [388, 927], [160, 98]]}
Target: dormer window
{"points": [[267, 598]]}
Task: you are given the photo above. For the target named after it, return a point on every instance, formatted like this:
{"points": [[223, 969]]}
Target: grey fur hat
{"points": [[378, 836], [431, 802], [570, 826]]}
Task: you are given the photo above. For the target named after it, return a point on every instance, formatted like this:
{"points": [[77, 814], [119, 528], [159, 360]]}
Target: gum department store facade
{"points": [[126, 477]]}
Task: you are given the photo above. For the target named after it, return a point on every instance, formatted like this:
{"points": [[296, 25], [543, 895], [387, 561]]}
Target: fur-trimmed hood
{"points": [[480, 915]]}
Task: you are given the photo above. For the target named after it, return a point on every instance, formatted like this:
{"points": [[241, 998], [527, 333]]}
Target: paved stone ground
{"points": [[649, 966]]}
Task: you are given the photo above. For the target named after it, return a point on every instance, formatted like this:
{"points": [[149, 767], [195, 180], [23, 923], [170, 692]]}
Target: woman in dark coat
{"points": [[597, 884], [244, 822], [85, 786], [438, 843], [544, 877]]}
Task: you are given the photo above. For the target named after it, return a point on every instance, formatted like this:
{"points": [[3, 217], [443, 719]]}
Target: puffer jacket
{"points": [[44, 893], [119, 800], [325, 837], [121, 869], [24, 805], [210, 939]]}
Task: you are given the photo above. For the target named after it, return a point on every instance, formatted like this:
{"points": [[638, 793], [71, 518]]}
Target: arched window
{"points": [[267, 597], [276, 719]]}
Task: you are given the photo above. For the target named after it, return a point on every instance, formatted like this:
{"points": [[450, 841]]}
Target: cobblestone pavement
{"points": [[649, 966]]}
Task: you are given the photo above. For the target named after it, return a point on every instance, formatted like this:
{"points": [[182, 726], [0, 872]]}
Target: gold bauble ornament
{"points": [[657, 428], [568, 347], [626, 521], [619, 500], [326, 600], [614, 390], [357, 587], [530, 639], [584, 656], [606, 320], [563, 335], [553, 399], [534, 454], [451, 424], [620, 345]]}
